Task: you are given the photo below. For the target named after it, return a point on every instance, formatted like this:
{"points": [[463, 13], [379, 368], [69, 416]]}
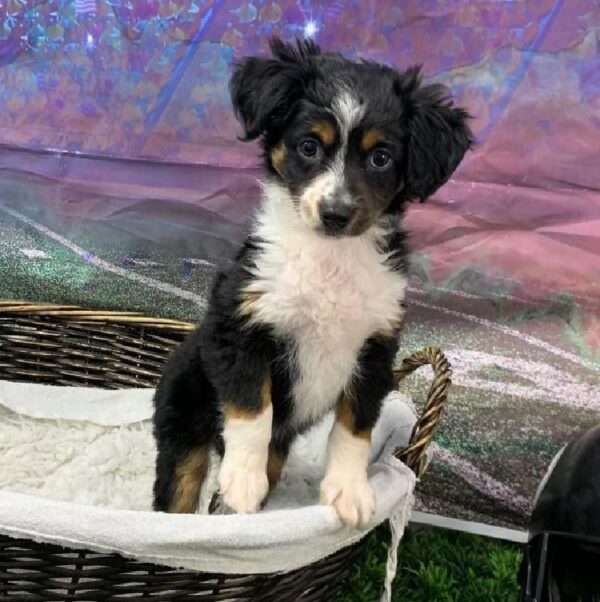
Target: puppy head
{"points": [[349, 141]]}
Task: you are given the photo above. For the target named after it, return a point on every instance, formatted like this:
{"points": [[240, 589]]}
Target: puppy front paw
{"points": [[243, 489], [353, 500]]}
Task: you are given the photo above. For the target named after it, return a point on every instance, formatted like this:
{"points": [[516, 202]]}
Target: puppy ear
{"points": [[438, 135], [264, 91]]}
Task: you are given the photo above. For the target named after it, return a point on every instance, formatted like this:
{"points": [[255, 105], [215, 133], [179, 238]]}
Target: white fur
{"points": [[243, 475], [321, 188], [327, 294], [348, 112], [345, 485], [81, 461]]}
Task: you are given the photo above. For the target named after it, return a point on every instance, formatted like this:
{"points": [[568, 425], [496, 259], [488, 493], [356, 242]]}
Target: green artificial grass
{"points": [[438, 566]]}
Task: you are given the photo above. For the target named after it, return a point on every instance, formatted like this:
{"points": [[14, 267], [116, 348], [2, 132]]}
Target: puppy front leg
{"points": [[345, 485], [243, 478]]}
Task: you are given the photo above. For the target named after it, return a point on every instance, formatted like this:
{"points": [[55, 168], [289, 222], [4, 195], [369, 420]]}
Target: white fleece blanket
{"points": [[77, 466]]}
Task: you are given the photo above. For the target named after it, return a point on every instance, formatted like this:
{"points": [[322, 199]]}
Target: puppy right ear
{"points": [[264, 91], [438, 134]]}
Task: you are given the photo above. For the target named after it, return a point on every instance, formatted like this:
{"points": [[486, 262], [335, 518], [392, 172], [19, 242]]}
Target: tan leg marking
{"points": [[345, 416], [189, 476], [234, 413], [247, 434], [275, 466]]}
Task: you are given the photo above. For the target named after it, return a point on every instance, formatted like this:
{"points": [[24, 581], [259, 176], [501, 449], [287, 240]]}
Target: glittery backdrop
{"points": [[123, 185]]}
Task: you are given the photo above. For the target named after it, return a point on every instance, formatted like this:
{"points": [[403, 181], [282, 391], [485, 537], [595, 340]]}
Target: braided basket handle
{"points": [[414, 455]]}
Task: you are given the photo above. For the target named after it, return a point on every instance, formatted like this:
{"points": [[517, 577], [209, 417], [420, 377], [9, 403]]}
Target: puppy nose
{"points": [[335, 218]]}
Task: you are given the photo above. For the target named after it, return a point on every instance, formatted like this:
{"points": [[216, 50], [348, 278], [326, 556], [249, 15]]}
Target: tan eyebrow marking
{"points": [[370, 139], [325, 131]]}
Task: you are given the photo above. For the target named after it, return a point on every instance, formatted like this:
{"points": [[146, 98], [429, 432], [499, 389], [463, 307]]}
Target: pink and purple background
{"points": [[147, 80], [116, 124]]}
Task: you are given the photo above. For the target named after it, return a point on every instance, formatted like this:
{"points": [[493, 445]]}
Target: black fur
{"points": [[437, 135], [376, 360], [228, 359], [264, 91]]}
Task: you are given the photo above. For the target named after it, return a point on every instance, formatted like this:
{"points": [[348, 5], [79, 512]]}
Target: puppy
{"points": [[307, 318]]}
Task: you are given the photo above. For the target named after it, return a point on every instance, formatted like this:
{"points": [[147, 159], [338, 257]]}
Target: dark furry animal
{"points": [[307, 318]]}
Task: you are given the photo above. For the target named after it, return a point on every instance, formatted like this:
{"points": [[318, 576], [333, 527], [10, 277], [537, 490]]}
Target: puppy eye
{"points": [[380, 159], [310, 148]]}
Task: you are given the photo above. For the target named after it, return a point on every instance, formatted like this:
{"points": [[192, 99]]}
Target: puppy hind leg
{"points": [[185, 425], [190, 474], [179, 478]]}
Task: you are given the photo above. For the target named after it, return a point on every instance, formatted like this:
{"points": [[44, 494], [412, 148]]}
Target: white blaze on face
{"points": [[323, 187], [348, 112]]}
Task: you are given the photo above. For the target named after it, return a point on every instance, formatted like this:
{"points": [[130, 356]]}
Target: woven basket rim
{"points": [[77, 313], [69, 345]]}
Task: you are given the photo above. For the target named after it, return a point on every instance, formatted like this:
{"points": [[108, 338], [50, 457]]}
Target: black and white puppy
{"points": [[307, 318]]}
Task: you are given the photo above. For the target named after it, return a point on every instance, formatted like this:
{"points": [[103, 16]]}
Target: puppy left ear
{"points": [[439, 135], [264, 91]]}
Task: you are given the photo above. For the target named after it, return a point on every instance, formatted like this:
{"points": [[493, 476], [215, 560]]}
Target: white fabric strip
{"points": [[97, 406], [59, 444]]}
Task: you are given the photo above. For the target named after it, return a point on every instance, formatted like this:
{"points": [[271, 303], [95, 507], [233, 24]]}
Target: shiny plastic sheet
{"points": [[123, 185]]}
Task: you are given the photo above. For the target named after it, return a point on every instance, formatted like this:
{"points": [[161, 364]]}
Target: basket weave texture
{"points": [[69, 345]]}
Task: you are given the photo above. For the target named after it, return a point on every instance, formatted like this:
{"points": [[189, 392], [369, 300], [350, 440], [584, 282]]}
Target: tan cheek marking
{"points": [[345, 416], [370, 139], [325, 131], [278, 158], [232, 412], [189, 476], [368, 214]]}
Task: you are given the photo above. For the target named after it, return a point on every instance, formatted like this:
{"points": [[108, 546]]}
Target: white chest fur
{"points": [[327, 295]]}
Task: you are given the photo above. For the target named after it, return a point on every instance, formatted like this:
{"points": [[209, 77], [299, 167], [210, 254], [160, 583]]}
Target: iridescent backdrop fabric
{"points": [[119, 157]]}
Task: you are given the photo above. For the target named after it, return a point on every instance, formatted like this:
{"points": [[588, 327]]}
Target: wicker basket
{"points": [[67, 345]]}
